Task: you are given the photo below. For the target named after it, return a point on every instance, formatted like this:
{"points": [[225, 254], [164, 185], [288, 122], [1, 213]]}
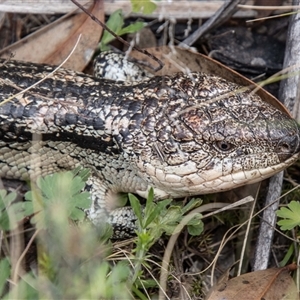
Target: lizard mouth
{"points": [[229, 181]]}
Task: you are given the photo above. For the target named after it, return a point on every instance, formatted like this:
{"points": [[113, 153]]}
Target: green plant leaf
{"points": [[23, 288], [168, 220], [6, 199], [136, 206], [149, 202], [113, 280], [132, 28], [195, 226], [290, 215], [156, 210], [288, 255], [4, 274], [145, 6], [193, 203], [10, 213], [114, 23], [84, 174], [58, 196]]}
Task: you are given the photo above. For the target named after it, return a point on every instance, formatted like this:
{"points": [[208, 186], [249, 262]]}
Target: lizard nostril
{"points": [[284, 147], [287, 147]]}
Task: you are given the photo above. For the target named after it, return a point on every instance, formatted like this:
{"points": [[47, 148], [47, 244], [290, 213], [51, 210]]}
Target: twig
{"points": [[269, 7], [246, 237], [221, 15], [267, 224], [17, 267]]}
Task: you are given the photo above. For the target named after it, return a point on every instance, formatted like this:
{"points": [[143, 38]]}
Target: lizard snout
{"points": [[289, 145]]}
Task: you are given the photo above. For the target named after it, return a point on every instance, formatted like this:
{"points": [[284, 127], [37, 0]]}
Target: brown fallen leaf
{"points": [[270, 284], [53, 43], [182, 60]]}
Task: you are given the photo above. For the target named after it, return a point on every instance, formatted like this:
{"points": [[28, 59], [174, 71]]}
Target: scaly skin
{"points": [[182, 135]]}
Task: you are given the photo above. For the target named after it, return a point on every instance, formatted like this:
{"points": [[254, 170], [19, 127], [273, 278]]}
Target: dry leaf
{"points": [[182, 60], [53, 43], [270, 284]]}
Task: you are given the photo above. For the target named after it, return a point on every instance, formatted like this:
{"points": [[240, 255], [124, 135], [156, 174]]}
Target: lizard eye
{"points": [[224, 146]]}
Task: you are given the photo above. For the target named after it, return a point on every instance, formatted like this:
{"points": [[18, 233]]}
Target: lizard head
{"points": [[216, 136]]}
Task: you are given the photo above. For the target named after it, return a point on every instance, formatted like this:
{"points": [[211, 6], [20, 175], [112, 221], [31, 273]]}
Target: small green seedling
{"points": [[290, 216]]}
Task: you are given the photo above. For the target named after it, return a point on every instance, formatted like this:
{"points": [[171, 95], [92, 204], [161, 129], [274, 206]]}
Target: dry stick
{"points": [[269, 17], [18, 264], [267, 223], [289, 94], [221, 15], [95, 19], [269, 7], [246, 238]]}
